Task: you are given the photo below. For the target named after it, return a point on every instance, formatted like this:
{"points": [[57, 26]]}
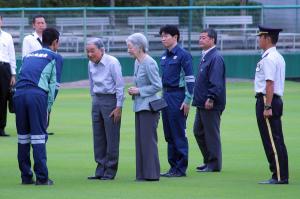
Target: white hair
{"points": [[97, 42], [139, 41]]}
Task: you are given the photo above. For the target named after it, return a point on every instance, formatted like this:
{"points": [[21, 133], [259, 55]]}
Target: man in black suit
{"points": [[210, 100]]}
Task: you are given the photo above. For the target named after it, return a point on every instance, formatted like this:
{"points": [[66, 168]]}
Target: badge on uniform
{"points": [[164, 57], [175, 57], [258, 66]]}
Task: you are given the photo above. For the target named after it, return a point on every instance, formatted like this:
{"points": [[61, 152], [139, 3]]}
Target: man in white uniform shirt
{"points": [[7, 74], [269, 87], [33, 41]]}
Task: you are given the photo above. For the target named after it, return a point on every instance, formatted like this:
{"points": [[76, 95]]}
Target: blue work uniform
{"points": [[178, 84], [36, 88]]}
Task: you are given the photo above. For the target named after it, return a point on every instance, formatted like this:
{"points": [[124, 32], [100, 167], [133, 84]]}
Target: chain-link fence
{"points": [[236, 25]]}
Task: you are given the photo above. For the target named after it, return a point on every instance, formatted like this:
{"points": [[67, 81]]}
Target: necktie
{"points": [[202, 58], [39, 40]]}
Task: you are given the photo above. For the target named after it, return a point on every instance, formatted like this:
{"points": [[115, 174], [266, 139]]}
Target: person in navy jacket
{"points": [[36, 89], [209, 99], [178, 84]]}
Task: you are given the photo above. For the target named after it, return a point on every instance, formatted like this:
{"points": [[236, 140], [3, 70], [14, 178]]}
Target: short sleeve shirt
{"points": [[270, 67]]}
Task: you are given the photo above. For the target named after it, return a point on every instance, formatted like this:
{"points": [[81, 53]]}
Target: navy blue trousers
{"points": [[174, 124], [31, 119], [207, 134], [273, 141]]}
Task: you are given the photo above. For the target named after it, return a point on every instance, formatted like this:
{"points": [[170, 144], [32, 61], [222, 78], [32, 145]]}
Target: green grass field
{"points": [[70, 155]]}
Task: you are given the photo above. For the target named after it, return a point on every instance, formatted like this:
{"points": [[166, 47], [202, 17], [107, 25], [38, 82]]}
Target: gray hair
{"points": [[97, 42], [138, 41], [211, 33]]}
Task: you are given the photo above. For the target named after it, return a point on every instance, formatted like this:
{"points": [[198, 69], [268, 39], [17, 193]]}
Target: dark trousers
{"points": [[106, 135], [5, 77], [207, 134], [273, 140], [31, 117], [147, 159], [174, 124]]}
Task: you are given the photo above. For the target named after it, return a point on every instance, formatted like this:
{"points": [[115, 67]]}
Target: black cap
{"points": [[268, 31]]}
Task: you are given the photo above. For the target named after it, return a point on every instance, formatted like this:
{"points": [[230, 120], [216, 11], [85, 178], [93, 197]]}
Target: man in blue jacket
{"points": [[36, 88], [210, 99], [178, 84]]}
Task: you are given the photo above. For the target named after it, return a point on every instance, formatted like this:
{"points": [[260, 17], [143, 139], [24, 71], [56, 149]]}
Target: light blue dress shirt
{"points": [[106, 78]]}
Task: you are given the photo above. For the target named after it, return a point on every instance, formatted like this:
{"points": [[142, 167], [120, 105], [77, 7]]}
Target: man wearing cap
{"points": [[269, 87], [7, 74]]}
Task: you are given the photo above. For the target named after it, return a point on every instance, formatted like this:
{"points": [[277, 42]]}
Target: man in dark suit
{"points": [[210, 100]]}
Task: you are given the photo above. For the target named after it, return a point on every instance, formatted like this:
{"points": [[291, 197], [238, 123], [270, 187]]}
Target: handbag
{"points": [[10, 100], [157, 105]]}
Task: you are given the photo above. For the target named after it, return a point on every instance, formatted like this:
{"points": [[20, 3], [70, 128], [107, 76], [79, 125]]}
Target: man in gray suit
{"points": [[107, 91]]}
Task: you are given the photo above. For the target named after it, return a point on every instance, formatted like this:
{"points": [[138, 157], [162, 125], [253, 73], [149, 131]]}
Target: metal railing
{"points": [[115, 27]]}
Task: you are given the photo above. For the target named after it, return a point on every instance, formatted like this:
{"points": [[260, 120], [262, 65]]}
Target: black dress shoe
{"points": [[274, 181], [94, 177], [151, 180], [166, 174], [177, 174], [106, 178], [28, 182], [47, 182], [173, 174], [3, 134], [207, 169], [201, 167]]}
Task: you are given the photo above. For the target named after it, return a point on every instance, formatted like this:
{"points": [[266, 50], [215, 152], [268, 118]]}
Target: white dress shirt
{"points": [[7, 51], [270, 67], [30, 44], [204, 52], [106, 78]]}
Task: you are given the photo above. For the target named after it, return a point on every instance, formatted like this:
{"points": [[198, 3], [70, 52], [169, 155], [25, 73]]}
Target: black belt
{"points": [[3, 63], [173, 89], [103, 94], [258, 95]]}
